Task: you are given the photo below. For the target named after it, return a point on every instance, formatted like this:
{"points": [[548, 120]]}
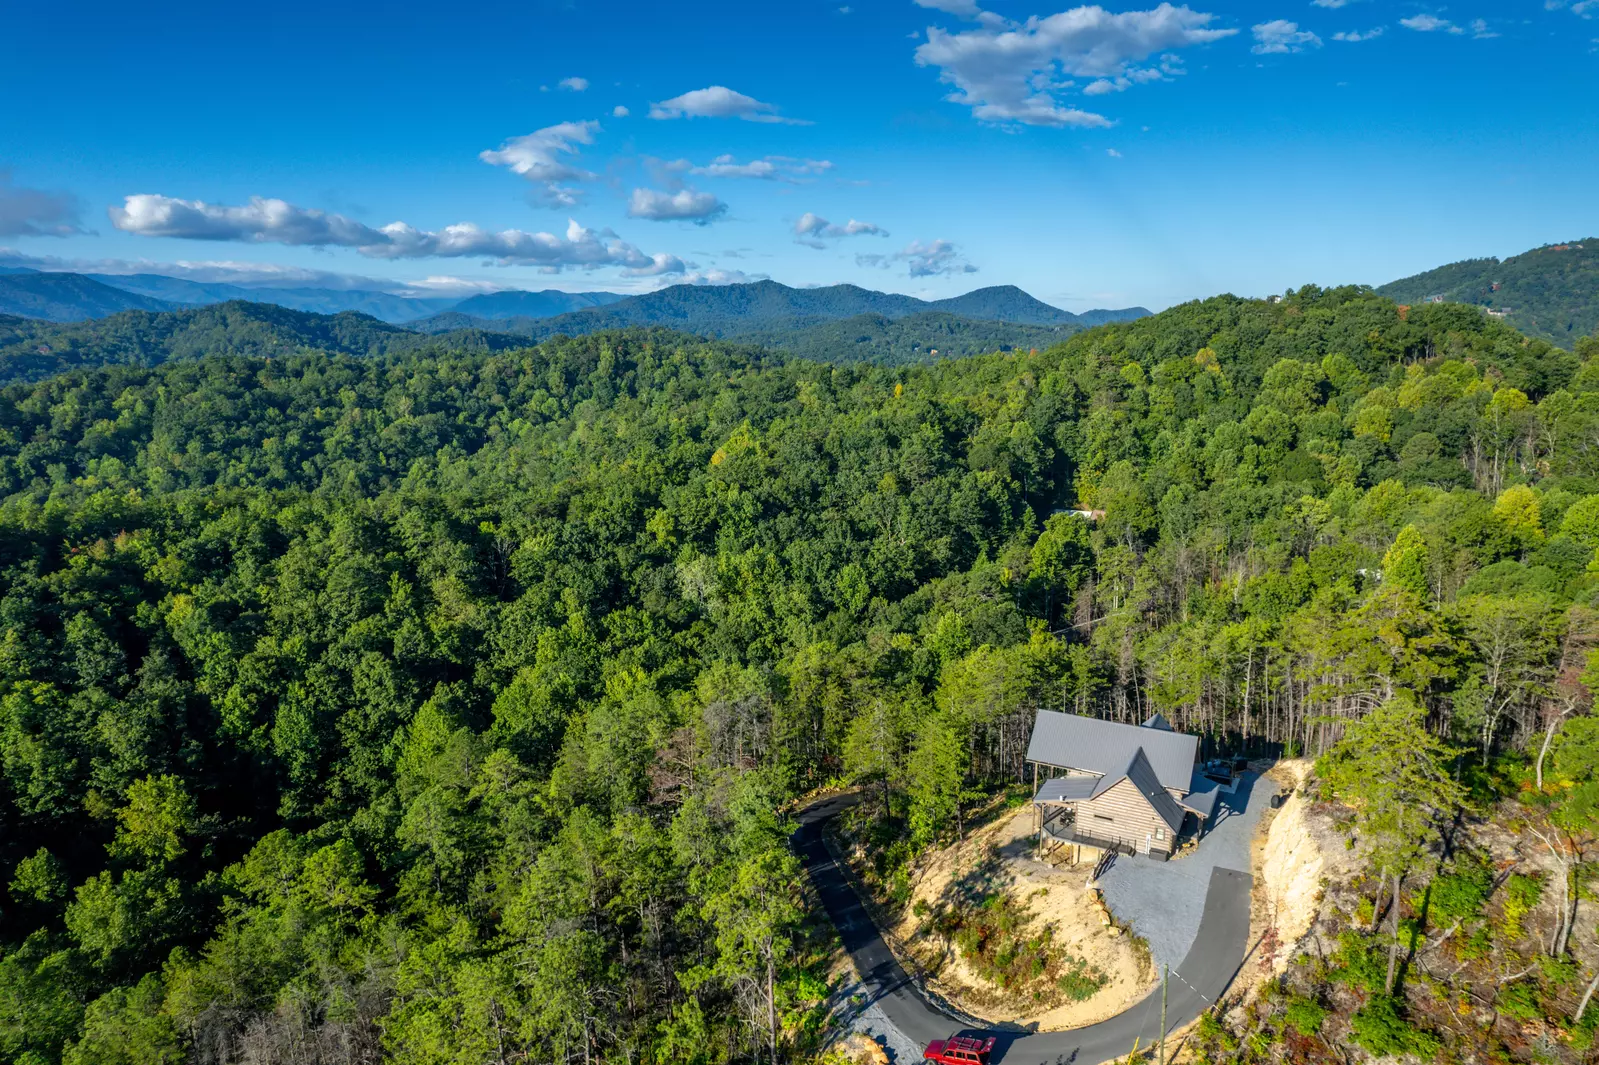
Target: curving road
{"points": [[1214, 959]]}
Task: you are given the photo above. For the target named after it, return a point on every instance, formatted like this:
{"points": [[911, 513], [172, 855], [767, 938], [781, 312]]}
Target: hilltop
{"points": [[902, 330], [68, 297], [31, 350], [765, 308], [769, 312], [1550, 292]]}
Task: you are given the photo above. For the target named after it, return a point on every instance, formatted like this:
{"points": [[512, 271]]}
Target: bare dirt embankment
{"points": [[1053, 902], [1298, 852]]}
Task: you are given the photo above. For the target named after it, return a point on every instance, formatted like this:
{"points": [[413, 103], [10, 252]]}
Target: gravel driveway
{"points": [[1163, 900]]}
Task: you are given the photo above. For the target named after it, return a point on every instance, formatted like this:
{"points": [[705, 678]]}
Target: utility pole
{"points": [[1164, 980]]}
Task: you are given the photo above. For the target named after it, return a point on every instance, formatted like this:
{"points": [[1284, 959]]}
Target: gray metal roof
{"points": [[1157, 720], [1067, 789], [1141, 775], [1106, 747], [1202, 803], [1137, 772]]}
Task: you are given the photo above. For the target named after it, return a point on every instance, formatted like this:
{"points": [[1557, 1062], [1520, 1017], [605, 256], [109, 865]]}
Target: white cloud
{"points": [[660, 265], [923, 259], [767, 168], [966, 9], [449, 285], [717, 276], [1480, 30], [269, 221], [718, 101], [252, 274], [574, 84], [1582, 7], [1012, 71], [812, 229], [1170, 66], [1429, 23], [1356, 36], [1280, 37], [1331, 4], [537, 157], [262, 220], [620, 112], [1113, 153], [26, 212], [684, 205]]}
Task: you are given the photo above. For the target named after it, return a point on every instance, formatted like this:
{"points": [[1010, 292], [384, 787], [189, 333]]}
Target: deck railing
{"points": [[1064, 829]]}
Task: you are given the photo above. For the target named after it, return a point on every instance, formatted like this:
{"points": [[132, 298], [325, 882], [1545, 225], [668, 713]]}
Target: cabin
{"points": [[1109, 786]]}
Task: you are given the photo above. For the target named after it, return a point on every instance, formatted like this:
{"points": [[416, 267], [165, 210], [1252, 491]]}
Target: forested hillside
{"points": [[33, 350], [443, 707], [798, 318], [1550, 292], [67, 297]]}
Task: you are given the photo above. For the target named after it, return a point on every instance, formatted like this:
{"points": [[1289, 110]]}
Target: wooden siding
{"points": [[1131, 818]]}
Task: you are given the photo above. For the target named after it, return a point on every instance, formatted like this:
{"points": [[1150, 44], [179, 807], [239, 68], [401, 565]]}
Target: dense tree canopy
{"points": [[445, 706]]}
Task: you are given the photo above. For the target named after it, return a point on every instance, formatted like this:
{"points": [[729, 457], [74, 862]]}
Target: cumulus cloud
{"points": [[684, 205], [812, 230], [718, 101], [1331, 4], [966, 9], [1480, 30], [1356, 36], [923, 259], [717, 276], [270, 221], [1113, 153], [262, 220], [1015, 71], [574, 84], [1280, 37], [1429, 24], [538, 157], [767, 168], [26, 212], [620, 112], [660, 265], [1170, 66]]}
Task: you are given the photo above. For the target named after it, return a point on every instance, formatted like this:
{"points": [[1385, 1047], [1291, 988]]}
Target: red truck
{"points": [[959, 1050]]}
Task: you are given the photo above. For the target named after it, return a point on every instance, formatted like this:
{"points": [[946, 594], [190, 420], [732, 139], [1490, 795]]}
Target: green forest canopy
{"points": [[1550, 292], [441, 706]]}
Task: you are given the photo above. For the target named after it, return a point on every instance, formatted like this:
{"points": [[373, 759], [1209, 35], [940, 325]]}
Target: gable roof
{"points": [[1141, 775], [1202, 803], [1157, 720], [1107, 747]]}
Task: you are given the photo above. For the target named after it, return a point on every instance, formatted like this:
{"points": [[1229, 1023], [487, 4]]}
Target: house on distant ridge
{"points": [[1113, 786]]}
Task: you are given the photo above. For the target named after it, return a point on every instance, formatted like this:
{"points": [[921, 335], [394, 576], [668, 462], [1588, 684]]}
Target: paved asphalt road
{"points": [[1213, 960], [1166, 902]]}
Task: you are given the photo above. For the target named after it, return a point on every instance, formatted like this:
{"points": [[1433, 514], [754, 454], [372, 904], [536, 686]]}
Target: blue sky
{"points": [[1134, 154]]}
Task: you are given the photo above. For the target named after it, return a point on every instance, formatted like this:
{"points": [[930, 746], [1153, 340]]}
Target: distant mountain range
{"points": [[769, 313], [497, 306], [1550, 292], [31, 349], [68, 297], [723, 310]]}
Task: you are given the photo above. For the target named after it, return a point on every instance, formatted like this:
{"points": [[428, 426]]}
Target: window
{"points": [[1160, 833], [1103, 817]]}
